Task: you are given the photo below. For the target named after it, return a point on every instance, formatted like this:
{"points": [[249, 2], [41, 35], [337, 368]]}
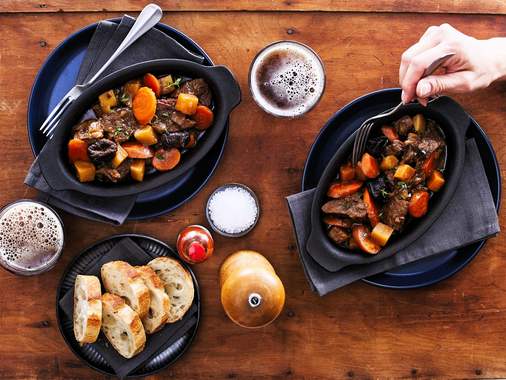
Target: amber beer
{"points": [[287, 79], [31, 237]]}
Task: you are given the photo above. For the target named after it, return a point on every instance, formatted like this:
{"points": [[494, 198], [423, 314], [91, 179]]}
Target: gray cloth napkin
{"points": [[107, 37], [457, 226]]}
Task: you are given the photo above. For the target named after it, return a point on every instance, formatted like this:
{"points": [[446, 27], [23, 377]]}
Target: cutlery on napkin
{"points": [[107, 37]]}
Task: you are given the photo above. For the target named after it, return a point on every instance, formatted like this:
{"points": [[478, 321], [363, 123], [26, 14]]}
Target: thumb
{"points": [[437, 84]]}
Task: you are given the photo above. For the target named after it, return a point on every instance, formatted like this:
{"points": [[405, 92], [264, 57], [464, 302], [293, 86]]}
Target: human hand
{"points": [[474, 65]]}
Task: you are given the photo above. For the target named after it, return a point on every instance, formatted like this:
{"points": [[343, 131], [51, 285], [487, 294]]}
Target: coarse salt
{"points": [[232, 210]]}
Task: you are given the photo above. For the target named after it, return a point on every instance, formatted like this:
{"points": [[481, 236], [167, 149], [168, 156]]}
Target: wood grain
{"points": [[420, 6], [454, 329]]}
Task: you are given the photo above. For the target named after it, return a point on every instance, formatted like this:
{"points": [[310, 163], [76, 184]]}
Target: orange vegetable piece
{"points": [[78, 150], [166, 159], [436, 181], [419, 204], [359, 173], [390, 132], [370, 166], [429, 164], [144, 105], [372, 210], [137, 150], [187, 103], [347, 172], [404, 172], [204, 117], [153, 83], [343, 189], [362, 237]]}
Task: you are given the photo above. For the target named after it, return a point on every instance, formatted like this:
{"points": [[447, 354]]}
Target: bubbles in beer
{"points": [[31, 236], [287, 79]]}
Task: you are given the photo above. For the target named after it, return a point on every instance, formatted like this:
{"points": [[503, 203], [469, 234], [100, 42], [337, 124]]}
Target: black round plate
{"points": [[86, 353], [339, 127], [57, 75]]}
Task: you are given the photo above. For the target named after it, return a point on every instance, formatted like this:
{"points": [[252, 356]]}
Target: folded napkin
{"points": [[107, 37], [457, 226]]}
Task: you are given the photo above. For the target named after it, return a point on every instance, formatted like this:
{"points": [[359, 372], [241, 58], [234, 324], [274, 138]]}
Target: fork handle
{"points": [[149, 17]]}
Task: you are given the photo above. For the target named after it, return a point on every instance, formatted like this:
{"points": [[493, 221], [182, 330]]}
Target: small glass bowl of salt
{"points": [[233, 210]]}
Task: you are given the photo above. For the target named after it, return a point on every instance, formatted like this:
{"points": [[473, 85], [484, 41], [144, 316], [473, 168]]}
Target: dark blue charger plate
{"points": [[340, 126], [58, 75]]}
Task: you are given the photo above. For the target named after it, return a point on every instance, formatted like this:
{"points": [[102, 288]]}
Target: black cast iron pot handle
{"points": [[232, 96]]}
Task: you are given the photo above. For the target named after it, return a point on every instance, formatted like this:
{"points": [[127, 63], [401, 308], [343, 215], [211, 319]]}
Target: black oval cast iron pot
{"points": [[54, 157], [454, 121]]}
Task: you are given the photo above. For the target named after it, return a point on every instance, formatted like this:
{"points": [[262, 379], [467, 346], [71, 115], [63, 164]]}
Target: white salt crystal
{"points": [[232, 210]]}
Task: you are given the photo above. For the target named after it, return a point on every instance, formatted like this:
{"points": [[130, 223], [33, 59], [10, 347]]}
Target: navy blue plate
{"points": [[58, 75], [341, 125]]}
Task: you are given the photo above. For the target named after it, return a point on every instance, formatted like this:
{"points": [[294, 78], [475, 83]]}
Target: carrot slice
{"points": [[429, 164], [419, 204], [359, 173], [390, 132], [144, 105], [362, 237], [370, 166], [347, 172], [204, 117], [153, 83], [137, 150], [78, 150], [343, 189], [166, 159], [436, 181], [372, 210]]}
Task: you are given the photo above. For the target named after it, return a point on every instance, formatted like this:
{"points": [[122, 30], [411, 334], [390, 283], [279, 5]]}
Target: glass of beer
{"points": [[287, 79], [31, 237]]}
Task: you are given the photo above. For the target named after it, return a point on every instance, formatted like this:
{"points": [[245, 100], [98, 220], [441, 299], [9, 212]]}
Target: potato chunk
{"points": [[381, 233], [389, 162], [85, 171], [187, 103], [146, 135], [119, 157], [404, 172], [137, 169], [107, 100]]}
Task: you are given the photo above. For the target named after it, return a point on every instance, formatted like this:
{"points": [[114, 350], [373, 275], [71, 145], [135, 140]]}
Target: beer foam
{"points": [[31, 237], [287, 79]]}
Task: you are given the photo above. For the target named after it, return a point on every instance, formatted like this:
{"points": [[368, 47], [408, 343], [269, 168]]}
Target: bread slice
{"points": [[159, 308], [87, 308], [122, 326], [178, 284], [122, 279]]}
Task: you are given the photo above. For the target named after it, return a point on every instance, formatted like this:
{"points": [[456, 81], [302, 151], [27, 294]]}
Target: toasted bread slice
{"points": [[178, 285], [122, 279], [122, 326], [159, 308], [87, 308]]}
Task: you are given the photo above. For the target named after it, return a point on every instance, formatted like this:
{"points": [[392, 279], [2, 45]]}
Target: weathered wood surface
{"points": [[455, 329], [421, 6]]}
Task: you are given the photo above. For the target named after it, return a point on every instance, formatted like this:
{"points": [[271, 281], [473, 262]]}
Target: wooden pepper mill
{"points": [[252, 294]]}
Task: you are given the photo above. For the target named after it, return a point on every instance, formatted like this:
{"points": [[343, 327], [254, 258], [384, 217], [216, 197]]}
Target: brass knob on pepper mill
{"points": [[195, 244], [252, 294]]}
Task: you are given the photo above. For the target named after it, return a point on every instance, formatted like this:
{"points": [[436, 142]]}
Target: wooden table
{"points": [[453, 329]]}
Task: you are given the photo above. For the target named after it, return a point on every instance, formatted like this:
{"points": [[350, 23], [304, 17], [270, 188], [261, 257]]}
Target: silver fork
{"points": [[149, 17], [363, 132]]}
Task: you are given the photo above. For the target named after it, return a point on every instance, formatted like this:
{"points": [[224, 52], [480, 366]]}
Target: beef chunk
{"points": [[410, 155], [89, 131], [119, 124], [109, 174], [339, 235], [429, 144], [181, 120], [351, 206], [404, 125], [395, 211], [102, 150], [395, 148], [164, 110], [197, 87], [175, 139]]}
